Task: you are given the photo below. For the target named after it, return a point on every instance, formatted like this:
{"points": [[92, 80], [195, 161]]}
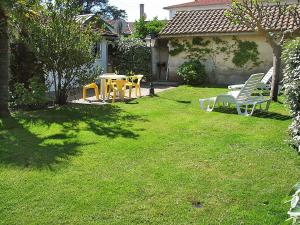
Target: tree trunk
{"points": [[276, 72], [4, 63]]}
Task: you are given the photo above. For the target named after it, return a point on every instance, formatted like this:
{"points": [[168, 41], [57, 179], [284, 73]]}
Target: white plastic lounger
{"points": [[264, 84], [240, 98]]}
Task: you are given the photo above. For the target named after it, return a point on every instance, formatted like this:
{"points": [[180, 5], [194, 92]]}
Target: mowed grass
{"points": [[154, 160]]}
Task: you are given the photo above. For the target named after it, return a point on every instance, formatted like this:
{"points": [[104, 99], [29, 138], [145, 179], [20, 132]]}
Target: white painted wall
{"points": [[226, 72], [173, 11], [102, 58]]}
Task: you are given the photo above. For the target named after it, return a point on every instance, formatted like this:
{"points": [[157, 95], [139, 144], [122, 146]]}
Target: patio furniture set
{"points": [[242, 95], [113, 85]]}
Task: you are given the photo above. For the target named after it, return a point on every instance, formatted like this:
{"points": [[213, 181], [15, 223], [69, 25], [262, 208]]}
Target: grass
{"points": [[155, 160]]}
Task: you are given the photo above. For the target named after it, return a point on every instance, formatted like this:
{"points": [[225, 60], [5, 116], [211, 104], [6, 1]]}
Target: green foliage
{"points": [[177, 47], [243, 52], [64, 46], [142, 28], [246, 52], [102, 7], [33, 97], [154, 26], [200, 41], [291, 80], [294, 211], [23, 65], [192, 72], [132, 56]]}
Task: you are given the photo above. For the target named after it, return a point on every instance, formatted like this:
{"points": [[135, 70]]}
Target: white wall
{"points": [[225, 72], [172, 12], [102, 60]]}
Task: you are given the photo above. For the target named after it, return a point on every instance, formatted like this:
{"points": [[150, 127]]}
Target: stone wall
{"points": [[224, 72]]}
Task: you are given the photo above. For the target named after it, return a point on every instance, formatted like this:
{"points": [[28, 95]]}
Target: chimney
{"points": [[142, 10]]}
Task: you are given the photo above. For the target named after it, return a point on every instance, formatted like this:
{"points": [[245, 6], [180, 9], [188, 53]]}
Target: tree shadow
{"points": [[23, 148], [20, 147], [175, 100], [257, 113]]}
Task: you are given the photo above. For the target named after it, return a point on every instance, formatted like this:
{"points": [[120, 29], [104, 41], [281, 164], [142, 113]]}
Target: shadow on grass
{"points": [[175, 100], [257, 113], [21, 147]]}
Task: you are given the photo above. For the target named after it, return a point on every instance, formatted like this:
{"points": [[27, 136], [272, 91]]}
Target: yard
{"points": [[154, 160]]}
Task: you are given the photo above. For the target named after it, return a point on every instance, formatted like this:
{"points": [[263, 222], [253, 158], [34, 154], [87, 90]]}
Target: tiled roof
{"points": [[214, 21], [199, 3]]}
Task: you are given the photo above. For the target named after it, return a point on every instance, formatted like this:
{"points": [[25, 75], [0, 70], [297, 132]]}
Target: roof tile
{"points": [[214, 21]]}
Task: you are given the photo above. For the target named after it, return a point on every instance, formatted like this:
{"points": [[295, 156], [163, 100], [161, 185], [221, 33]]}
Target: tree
{"points": [[142, 27], [102, 7], [4, 59], [256, 14], [9, 8], [64, 47]]}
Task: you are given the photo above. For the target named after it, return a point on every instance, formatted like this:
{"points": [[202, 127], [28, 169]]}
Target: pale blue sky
{"points": [[152, 7]]}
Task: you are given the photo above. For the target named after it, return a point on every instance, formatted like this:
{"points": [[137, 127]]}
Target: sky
{"points": [[152, 7]]}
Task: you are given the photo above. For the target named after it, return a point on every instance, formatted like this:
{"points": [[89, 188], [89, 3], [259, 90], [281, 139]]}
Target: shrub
{"points": [[192, 72], [33, 97], [142, 28], [132, 56], [291, 80], [291, 58], [63, 45]]}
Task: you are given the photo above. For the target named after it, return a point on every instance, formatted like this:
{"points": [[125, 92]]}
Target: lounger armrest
{"points": [[235, 87]]}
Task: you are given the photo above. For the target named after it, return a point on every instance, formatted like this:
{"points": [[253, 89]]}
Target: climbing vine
{"points": [[245, 53]]}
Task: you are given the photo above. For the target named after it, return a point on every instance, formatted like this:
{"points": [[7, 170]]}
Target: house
{"points": [[197, 5], [204, 22], [111, 31]]}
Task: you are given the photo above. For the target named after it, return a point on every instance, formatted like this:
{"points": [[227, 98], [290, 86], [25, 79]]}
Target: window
{"points": [[98, 50]]}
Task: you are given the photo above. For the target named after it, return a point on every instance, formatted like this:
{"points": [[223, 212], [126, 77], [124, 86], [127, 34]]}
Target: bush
{"points": [[63, 45], [291, 80], [132, 56], [142, 28], [33, 97], [192, 72], [291, 58]]}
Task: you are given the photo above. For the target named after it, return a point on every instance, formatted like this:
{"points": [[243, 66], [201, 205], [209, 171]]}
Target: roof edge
{"points": [[189, 4], [165, 36]]}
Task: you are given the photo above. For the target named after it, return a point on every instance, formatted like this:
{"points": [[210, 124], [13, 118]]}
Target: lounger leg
{"points": [[208, 108], [268, 105], [238, 108], [253, 109], [245, 113]]}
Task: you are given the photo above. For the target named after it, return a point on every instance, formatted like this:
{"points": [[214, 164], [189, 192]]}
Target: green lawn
{"points": [[155, 160]]}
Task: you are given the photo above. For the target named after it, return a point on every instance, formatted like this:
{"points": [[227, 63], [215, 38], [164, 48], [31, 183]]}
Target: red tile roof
{"points": [[199, 3], [214, 21]]}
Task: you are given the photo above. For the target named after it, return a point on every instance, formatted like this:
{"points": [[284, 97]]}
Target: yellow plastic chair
{"points": [[134, 82], [109, 84], [90, 86], [119, 86]]}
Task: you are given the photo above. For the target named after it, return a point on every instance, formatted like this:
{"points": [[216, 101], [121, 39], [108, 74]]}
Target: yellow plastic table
{"points": [[103, 79]]}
